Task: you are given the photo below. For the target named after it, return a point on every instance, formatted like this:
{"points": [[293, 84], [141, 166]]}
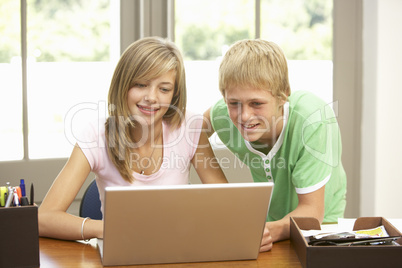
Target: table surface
{"points": [[59, 253]]}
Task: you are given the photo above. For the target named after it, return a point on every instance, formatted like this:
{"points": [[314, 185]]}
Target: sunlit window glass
{"points": [[203, 31], [303, 29], [11, 138], [69, 66]]}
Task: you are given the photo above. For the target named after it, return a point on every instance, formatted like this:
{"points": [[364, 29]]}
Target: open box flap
{"points": [[307, 223], [363, 223]]}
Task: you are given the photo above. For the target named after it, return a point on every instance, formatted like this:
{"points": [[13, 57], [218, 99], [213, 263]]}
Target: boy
{"points": [[291, 140]]}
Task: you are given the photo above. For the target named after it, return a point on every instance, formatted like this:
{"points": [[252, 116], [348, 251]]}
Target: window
{"points": [[68, 64], [11, 142], [303, 28], [135, 23], [203, 32]]}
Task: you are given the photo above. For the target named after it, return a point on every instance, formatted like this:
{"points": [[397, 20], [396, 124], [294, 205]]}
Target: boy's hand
{"points": [[266, 242]]}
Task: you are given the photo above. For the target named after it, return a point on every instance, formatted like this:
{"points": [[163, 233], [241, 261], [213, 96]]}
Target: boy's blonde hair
{"points": [[145, 59], [255, 63]]}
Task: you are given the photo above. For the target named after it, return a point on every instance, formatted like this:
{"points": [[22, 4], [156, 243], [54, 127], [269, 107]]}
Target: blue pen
{"points": [[24, 199], [22, 186]]}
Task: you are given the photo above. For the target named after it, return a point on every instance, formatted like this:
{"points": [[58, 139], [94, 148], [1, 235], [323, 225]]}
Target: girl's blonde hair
{"points": [[255, 63], [145, 59]]}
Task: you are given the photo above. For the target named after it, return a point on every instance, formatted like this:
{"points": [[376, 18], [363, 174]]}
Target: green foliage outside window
{"points": [[303, 28], [79, 30], [67, 31], [204, 43]]}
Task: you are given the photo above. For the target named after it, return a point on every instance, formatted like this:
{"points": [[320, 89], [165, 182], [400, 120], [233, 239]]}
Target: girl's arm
{"points": [[206, 164], [53, 219]]}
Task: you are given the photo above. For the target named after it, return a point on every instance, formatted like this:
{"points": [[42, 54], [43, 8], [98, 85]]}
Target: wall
{"points": [[347, 44], [381, 148]]}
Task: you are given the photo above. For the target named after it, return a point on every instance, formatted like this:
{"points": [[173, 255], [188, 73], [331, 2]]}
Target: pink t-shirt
{"points": [[179, 146]]}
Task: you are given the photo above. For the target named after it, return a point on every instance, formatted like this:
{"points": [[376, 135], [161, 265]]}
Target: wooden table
{"points": [[59, 253]]}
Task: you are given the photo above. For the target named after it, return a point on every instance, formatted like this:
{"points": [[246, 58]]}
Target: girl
{"points": [[148, 139]]}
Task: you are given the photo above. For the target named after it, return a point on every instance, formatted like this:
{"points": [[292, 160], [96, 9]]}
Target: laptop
{"points": [[183, 223]]}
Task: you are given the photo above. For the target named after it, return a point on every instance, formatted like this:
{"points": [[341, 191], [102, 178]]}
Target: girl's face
{"points": [[256, 113], [149, 100]]}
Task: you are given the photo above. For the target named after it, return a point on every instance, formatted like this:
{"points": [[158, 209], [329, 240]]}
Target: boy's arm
{"points": [[206, 125], [205, 163], [310, 205]]}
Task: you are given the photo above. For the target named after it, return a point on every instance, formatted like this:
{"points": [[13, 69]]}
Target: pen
{"points": [[22, 186], [10, 195], [16, 198], [17, 190], [32, 194], [23, 199]]}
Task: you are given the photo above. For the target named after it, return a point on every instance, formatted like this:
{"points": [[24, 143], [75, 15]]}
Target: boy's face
{"points": [[256, 113]]}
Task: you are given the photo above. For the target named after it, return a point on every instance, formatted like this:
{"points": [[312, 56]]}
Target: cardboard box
{"points": [[345, 256], [19, 245]]}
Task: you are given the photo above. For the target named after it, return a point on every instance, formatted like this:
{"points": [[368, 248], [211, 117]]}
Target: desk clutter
{"points": [[373, 242], [19, 245], [15, 196], [368, 237]]}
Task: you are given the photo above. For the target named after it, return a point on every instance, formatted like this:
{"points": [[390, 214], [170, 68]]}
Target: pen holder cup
{"points": [[19, 245]]}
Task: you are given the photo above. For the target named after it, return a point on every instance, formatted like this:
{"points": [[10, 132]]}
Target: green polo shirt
{"points": [[306, 156]]}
